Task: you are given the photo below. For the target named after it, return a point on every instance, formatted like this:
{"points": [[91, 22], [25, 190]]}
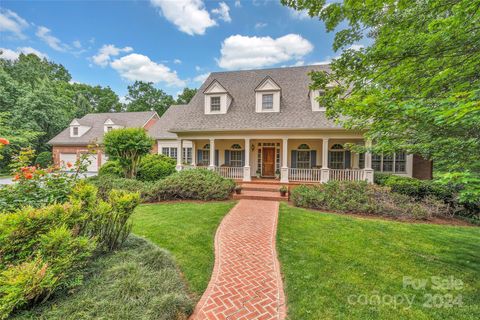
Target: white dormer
{"points": [[76, 129], [314, 94], [217, 99], [267, 96], [109, 125]]}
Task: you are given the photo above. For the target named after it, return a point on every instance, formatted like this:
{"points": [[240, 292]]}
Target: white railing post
{"points": [[325, 171], [284, 168], [368, 171], [179, 155], [212, 155], [246, 169]]}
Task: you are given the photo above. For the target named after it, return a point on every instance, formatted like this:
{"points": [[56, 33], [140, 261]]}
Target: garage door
{"points": [[93, 166], [66, 158]]}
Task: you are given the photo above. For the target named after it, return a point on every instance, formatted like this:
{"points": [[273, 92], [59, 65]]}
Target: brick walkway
{"points": [[246, 281]]}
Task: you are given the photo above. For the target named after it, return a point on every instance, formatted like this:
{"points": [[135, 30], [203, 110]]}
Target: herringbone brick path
{"points": [[246, 281]]}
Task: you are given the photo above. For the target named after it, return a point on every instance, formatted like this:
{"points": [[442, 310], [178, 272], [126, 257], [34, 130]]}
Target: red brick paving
{"points": [[246, 281]]}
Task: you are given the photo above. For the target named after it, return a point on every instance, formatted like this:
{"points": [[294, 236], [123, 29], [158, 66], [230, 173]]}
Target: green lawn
{"points": [[187, 230], [139, 281], [332, 263]]}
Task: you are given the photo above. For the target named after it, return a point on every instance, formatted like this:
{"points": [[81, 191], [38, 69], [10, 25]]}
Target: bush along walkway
{"points": [[246, 281]]}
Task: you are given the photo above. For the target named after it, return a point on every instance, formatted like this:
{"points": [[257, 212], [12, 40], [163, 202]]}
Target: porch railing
{"points": [[230, 172], [306, 175], [347, 174]]}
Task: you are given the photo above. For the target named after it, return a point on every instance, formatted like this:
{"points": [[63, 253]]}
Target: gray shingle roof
{"points": [[295, 107], [160, 129], [96, 122]]}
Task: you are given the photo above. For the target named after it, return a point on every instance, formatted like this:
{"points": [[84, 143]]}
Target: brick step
{"points": [[260, 195], [260, 187]]}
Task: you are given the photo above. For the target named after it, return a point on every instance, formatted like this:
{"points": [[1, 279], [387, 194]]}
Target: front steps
{"points": [[260, 191]]}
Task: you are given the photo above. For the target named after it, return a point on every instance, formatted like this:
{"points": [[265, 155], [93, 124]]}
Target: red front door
{"points": [[268, 166]]}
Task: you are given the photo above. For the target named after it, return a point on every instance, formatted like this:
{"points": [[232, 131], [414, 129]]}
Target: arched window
{"points": [[236, 146], [303, 146], [304, 156], [337, 146], [207, 146]]}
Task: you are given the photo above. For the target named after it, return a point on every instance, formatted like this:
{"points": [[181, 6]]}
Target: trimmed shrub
{"points": [[360, 197], [111, 168], [44, 159], [196, 184], [154, 167], [105, 184]]}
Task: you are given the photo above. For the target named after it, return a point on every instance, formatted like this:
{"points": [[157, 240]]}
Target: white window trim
{"points": [[219, 103], [407, 165], [263, 102]]}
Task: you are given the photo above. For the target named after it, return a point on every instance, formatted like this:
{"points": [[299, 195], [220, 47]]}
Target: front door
{"points": [[268, 168]]}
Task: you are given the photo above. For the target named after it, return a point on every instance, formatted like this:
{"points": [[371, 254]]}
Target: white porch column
{"points": [[246, 168], [284, 169], [179, 154], [368, 163], [325, 172], [212, 155], [194, 154]]}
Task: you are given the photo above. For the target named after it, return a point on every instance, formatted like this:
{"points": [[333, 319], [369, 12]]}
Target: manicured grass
{"points": [[331, 263], [187, 230], [140, 281]]}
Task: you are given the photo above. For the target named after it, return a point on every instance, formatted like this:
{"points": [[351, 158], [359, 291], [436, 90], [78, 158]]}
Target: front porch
{"points": [[282, 160]]}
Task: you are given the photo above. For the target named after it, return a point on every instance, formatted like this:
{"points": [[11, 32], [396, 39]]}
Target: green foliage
{"points": [[130, 283], [128, 146], [44, 159], [196, 184], [186, 96], [143, 96], [111, 168], [361, 197], [154, 167], [416, 87], [106, 183]]}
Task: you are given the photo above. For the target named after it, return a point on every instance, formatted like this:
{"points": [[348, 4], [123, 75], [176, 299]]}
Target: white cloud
{"points": [[12, 22], [139, 67], [242, 52], [356, 47], [223, 12], [190, 16], [77, 44], [238, 4], [45, 34], [260, 25], [299, 63], [201, 77], [102, 58], [299, 14], [177, 61], [9, 54]]}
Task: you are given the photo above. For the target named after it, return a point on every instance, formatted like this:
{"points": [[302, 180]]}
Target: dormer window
{"points": [[214, 104], [314, 96], [217, 99], [267, 101], [109, 129], [75, 131], [267, 96]]}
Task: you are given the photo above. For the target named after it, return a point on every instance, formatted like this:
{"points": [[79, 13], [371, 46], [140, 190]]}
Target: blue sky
{"points": [[173, 43]]}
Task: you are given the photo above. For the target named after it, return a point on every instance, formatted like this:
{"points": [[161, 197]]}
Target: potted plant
{"points": [[259, 173], [277, 174], [283, 191], [238, 189]]}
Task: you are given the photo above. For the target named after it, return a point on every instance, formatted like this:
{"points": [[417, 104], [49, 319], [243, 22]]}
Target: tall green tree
{"points": [[143, 96], [416, 86], [94, 99], [186, 96]]}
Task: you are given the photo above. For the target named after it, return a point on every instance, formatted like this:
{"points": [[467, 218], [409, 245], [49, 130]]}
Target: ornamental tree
{"points": [[128, 146], [414, 85]]}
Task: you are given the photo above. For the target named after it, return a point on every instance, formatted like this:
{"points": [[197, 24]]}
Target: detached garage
{"points": [[67, 157]]}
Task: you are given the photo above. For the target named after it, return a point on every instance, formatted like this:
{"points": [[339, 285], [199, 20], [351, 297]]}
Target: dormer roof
{"points": [[268, 84], [75, 122], [215, 87], [108, 121]]}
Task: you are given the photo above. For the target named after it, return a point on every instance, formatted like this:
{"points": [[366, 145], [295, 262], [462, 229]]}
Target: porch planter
{"points": [[238, 189], [283, 191]]}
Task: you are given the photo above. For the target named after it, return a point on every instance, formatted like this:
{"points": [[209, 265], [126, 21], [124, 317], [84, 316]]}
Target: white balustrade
{"points": [[306, 175], [230, 172], [347, 174]]}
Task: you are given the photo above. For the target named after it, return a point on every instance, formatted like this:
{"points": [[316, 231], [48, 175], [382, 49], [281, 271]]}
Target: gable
{"points": [[268, 84], [214, 88]]}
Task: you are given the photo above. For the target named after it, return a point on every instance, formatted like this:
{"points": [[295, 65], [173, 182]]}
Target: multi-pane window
{"points": [[187, 155], [337, 157], [303, 159], [214, 103], [267, 101], [109, 129], [170, 152], [75, 131], [396, 163], [236, 158], [361, 160], [204, 157]]}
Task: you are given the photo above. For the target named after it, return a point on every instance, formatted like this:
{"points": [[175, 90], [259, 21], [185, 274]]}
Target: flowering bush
{"points": [[37, 187], [3, 142]]}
